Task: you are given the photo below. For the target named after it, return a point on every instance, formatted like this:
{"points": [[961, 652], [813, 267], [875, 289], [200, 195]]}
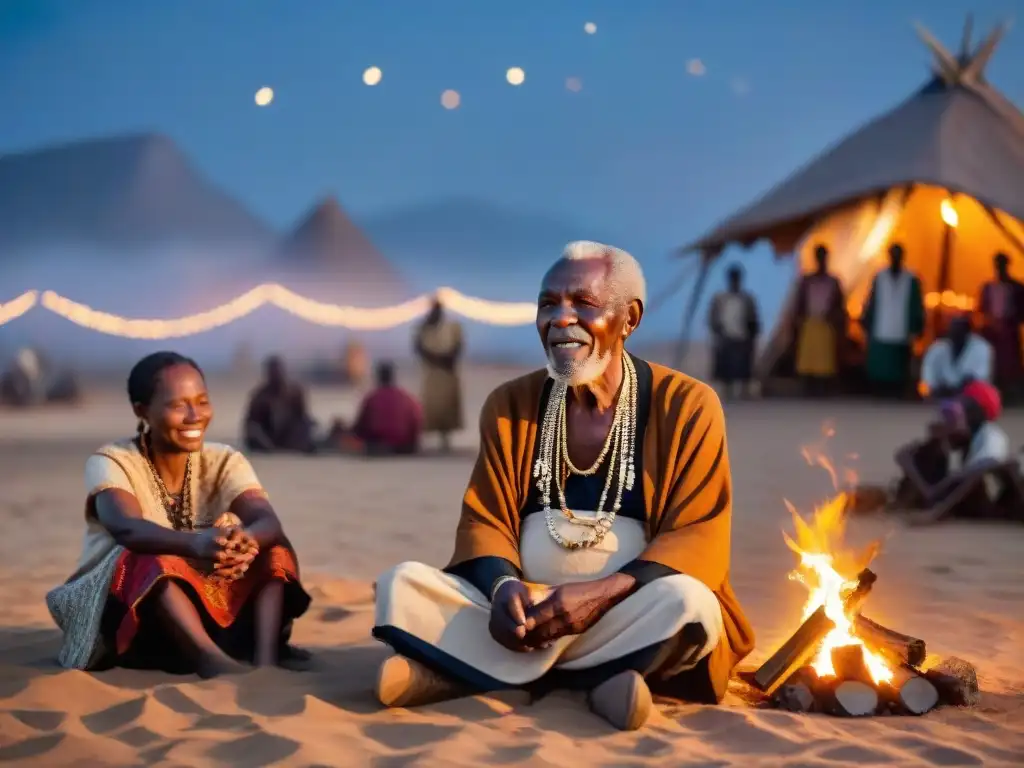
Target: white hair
{"points": [[624, 272], [626, 282]]}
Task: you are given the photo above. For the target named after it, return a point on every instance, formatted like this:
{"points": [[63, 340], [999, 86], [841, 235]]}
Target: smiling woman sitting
{"points": [[184, 564]]}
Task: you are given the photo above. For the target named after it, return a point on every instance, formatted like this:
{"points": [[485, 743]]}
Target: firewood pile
{"points": [[908, 685]]}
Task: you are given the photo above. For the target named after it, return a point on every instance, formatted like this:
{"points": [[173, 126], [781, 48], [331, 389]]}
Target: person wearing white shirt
{"points": [[954, 361], [966, 468], [893, 318]]}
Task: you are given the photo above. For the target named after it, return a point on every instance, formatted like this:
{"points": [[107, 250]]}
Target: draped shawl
{"points": [[687, 489]]}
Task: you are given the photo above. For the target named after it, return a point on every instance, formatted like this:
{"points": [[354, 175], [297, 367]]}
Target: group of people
{"points": [[390, 421], [892, 320], [592, 549]]}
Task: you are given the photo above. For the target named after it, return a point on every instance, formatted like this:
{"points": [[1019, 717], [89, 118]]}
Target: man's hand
{"points": [[509, 624], [572, 609]]}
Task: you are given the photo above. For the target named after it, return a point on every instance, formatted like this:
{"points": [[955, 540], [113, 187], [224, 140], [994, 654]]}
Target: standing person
{"points": [[735, 326], [438, 344], [820, 321], [893, 317], [184, 563], [1001, 310]]}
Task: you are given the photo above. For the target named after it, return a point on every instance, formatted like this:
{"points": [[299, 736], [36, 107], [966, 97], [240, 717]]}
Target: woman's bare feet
{"points": [[210, 665]]}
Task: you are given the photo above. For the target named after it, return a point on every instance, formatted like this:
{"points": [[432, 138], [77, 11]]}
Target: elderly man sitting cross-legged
{"points": [[593, 547]]}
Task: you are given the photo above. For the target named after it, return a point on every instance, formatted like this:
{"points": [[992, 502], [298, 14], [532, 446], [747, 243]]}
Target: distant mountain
{"points": [[474, 246], [112, 193], [328, 252]]}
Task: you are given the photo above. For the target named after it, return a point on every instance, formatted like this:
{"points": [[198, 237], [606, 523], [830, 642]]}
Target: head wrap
{"points": [[987, 397]]}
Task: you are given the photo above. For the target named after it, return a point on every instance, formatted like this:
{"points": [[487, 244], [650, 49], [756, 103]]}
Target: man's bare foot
{"points": [[215, 665], [404, 683], [624, 701]]}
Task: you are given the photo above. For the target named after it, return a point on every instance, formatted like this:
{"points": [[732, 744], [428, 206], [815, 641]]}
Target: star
{"points": [[264, 96]]}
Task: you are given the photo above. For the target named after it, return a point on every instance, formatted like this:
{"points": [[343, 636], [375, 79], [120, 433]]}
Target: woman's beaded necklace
{"points": [[553, 465], [177, 507]]}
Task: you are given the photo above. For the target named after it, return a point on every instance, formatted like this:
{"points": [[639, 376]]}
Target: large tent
{"points": [[942, 174]]}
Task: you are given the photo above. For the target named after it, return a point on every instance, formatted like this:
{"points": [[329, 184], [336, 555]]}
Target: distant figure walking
{"points": [[438, 344], [820, 323], [1001, 310], [893, 317], [734, 324], [277, 418]]}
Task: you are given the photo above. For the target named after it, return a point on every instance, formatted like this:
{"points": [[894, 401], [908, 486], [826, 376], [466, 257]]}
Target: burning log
{"points": [[795, 652], [896, 648], [849, 664], [847, 698], [803, 644], [908, 692], [797, 694], [956, 681], [850, 692]]}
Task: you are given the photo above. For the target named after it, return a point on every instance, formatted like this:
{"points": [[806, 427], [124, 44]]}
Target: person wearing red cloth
{"points": [[966, 468], [389, 423]]}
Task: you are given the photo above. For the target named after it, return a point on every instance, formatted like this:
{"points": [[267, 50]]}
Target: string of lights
{"points": [[502, 313], [310, 310]]}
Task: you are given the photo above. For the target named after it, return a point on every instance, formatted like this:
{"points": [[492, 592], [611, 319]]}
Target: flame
{"points": [[828, 569]]}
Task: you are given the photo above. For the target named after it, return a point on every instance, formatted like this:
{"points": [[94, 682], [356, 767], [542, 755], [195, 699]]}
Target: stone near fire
{"points": [[956, 681]]}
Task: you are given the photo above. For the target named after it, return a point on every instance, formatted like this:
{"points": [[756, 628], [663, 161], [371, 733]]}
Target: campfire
{"points": [[839, 661]]}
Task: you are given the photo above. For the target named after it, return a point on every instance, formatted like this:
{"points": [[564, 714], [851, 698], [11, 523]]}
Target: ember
{"points": [[839, 661]]}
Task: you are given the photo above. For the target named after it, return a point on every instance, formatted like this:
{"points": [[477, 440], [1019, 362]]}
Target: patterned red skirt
{"points": [[225, 607]]}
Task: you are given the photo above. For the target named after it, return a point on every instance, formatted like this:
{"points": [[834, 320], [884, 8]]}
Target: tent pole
{"points": [[691, 311], [1016, 241], [943, 286]]}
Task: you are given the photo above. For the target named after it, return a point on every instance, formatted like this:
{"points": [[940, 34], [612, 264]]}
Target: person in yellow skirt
{"points": [[820, 322]]}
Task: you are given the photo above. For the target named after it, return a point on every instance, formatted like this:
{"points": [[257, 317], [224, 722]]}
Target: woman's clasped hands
{"points": [[227, 548]]}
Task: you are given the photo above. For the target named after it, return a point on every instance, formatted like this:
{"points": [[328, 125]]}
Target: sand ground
{"points": [[961, 587]]}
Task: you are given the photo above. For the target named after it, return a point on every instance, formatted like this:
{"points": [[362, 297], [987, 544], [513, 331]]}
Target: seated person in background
{"points": [[390, 420], [277, 418], [184, 565], [389, 423], [965, 468], [954, 361], [592, 550]]}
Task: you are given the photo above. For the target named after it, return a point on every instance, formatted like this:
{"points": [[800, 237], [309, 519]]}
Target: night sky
{"points": [[645, 149]]}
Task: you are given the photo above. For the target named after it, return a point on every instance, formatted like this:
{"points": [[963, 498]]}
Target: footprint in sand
{"points": [[259, 749], [405, 735], [40, 719]]}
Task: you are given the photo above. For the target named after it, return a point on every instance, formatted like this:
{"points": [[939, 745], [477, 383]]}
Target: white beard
{"points": [[582, 373]]}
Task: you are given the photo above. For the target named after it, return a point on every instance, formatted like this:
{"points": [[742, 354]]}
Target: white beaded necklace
{"points": [[619, 449]]}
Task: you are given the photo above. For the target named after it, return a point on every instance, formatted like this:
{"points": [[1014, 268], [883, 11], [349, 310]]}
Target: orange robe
{"points": [[687, 488]]}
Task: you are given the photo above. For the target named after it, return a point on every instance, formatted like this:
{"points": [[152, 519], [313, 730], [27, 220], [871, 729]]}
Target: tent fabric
{"points": [[965, 137]]}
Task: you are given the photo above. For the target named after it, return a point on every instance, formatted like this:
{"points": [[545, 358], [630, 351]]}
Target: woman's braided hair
{"points": [[145, 376]]}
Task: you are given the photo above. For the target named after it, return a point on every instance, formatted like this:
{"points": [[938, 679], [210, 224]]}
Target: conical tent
{"points": [[942, 174]]}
